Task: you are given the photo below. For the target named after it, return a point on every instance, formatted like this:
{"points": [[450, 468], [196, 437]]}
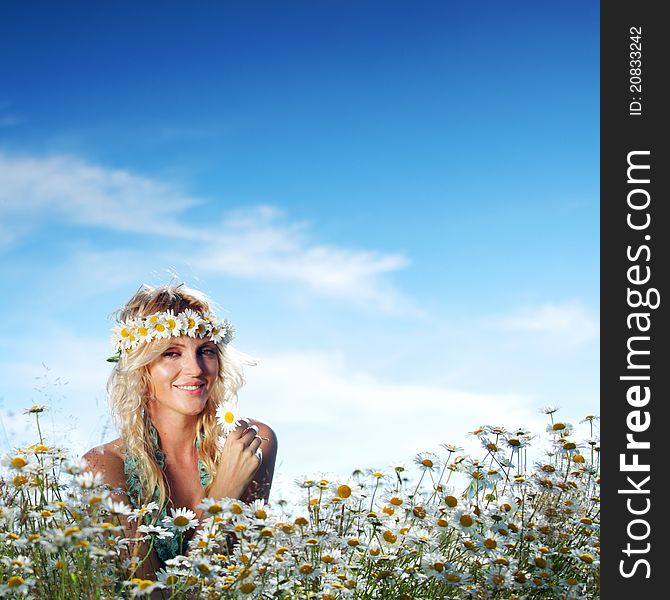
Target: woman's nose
{"points": [[193, 364]]}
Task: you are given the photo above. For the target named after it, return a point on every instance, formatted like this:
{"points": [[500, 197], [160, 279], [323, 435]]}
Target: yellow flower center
{"points": [[143, 331], [214, 508], [160, 327], [587, 558], [236, 508], [180, 521], [453, 577], [247, 587], [558, 426], [229, 417], [390, 537], [451, 501], [15, 581], [260, 514], [395, 501], [306, 569], [344, 491], [71, 531], [419, 512], [171, 323], [466, 520], [426, 462], [490, 543], [18, 462]]}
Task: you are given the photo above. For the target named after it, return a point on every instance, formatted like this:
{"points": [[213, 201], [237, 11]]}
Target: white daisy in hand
{"points": [[228, 416], [181, 519]]}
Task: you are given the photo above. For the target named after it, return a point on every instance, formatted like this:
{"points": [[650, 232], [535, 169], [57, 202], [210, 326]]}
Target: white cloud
{"points": [[39, 190], [330, 416], [258, 243], [569, 322]]}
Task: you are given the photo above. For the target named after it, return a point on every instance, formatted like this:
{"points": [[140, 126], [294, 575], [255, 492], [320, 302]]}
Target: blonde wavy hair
{"points": [[129, 388]]}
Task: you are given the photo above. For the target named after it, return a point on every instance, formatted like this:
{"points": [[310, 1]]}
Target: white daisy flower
{"points": [[222, 331], [16, 463], [181, 519], [89, 480], [116, 508], [427, 461], [347, 490], [158, 327], [18, 562], [465, 520], [74, 466], [17, 584], [142, 587], [155, 530], [212, 507], [193, 322], [228, 416], [203, 568], [139, 513]]}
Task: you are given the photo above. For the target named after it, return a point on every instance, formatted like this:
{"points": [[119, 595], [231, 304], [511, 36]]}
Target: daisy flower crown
{"points": [[129, 335]]}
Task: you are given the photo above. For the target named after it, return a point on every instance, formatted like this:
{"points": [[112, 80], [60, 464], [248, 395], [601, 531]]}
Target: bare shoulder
{"points": [[107, 459]]}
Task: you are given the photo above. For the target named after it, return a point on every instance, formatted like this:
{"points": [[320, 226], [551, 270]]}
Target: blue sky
{"points": [[398, 207]]}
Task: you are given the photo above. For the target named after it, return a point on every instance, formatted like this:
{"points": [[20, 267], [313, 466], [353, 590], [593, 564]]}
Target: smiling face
{"points": [[183, 375]]}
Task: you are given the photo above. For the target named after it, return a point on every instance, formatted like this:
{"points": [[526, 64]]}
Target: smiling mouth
{"points": [[190, 388]]}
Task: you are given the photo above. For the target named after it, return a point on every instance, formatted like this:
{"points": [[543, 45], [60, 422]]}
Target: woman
{"points": [[173, 370]]}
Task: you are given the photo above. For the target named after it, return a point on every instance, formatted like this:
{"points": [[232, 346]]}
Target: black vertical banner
{"points": [[635, 233]]}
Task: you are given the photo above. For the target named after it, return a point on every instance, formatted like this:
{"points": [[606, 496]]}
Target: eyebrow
{"points": [[180, 345]]}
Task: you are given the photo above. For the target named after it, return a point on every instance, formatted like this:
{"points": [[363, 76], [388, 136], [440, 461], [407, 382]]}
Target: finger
{"points": [[250, 433], [240, 430], [259, 455], [255, 443]]}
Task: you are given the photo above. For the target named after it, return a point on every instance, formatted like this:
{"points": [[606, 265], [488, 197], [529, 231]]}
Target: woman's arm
{"points": [[109, 464], [260, 485]]}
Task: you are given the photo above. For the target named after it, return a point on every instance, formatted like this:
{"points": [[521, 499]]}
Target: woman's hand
{"points": [[240, 459]]}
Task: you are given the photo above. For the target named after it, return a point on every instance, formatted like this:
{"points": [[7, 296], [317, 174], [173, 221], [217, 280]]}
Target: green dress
{"points": [[171, 547]]}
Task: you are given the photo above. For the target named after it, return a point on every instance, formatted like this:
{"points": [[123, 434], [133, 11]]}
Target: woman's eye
{"points": [[170, 353], [209, 351]]}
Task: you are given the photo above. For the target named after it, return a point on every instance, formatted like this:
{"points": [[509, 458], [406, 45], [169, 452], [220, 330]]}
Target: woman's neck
{"points": [[177, 434]]}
